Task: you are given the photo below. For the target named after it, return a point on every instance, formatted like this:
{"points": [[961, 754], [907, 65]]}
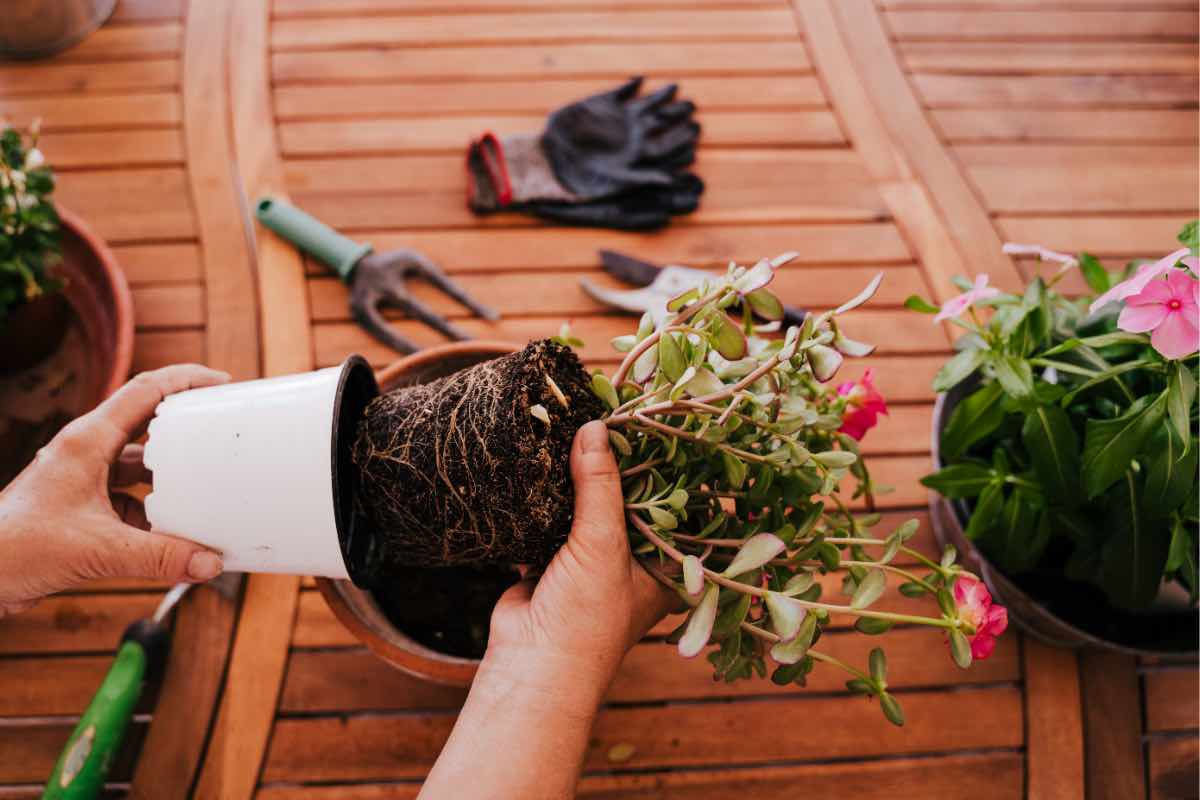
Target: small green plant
{"points": [[1076, 439], [29, 225], [733, 448]]}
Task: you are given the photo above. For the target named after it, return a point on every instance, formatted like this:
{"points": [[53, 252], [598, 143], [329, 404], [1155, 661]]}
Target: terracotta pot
{"points": [[40, 28], [1168, 628], [97, 296], [357, 608]]}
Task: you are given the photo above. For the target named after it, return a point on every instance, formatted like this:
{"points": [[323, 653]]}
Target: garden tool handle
{"points": [[311, 235], [92, 746]]}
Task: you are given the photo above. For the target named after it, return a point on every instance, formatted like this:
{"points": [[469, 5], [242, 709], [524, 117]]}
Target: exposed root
{"points": [[458, 471]]}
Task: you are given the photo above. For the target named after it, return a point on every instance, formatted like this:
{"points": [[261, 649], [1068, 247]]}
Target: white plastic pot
{"points": [[261, 472]]}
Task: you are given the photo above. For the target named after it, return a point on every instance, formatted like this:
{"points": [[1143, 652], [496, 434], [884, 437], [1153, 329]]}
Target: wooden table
{"points": [[912, 135]]}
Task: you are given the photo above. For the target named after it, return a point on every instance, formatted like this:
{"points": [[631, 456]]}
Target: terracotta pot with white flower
{"points": [[1066, 449], [66, 314], [743, 483]]}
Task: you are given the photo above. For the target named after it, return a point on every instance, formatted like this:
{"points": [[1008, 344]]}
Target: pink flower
{"points": [[1170, 308], [957, 305], [975, 607], [1142, 278], [864, 404]]}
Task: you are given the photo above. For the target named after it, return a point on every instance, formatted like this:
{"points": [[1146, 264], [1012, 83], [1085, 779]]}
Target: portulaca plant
{"points": [[736, 455], [1076, 442]]}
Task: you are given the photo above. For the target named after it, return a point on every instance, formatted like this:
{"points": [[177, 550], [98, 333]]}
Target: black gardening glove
{"points": [[642, 209], [598, 148]]}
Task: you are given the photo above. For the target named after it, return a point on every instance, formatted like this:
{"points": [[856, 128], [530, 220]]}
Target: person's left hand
{"points": [[60, 527]]}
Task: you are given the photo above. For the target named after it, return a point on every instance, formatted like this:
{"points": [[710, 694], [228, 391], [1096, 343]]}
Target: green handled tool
{"points": [[375, 279], [96, 740]]}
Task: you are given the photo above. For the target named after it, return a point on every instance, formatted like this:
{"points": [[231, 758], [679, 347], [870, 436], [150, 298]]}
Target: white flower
{"points": [[34, 159]]}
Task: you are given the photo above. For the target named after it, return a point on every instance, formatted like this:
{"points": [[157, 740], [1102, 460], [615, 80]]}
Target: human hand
{"points": [[594, 601], [59, 526]]}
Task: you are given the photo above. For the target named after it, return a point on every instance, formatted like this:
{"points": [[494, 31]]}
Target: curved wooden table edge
{"points": [[937, 210], [176, 741], [259, 658]]}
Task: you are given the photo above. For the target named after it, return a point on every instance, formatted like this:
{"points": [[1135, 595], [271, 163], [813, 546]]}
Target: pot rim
{"points": [[122, 297], [942, 512], [406, 654]]}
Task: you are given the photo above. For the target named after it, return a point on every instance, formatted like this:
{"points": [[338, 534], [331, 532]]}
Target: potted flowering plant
{"points": [[734, 450], [1066, 442], [66, 316], [33, 314]]}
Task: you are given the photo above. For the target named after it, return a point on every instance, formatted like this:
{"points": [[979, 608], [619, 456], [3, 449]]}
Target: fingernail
{"points": [[204, 566], [593, 437]]}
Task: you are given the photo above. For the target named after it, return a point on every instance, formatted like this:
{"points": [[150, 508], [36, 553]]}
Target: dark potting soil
{"points": [[459, 481], [459, 471], [448, 609]]}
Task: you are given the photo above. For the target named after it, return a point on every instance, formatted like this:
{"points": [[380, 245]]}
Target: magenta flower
{"points": [[957, 305], [1142, 278], [864, 404], [1170, 308], [975, 607]]}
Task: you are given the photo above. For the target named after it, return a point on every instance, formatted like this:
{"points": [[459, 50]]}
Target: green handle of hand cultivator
{"points": [[311, 235], [85, 761]]}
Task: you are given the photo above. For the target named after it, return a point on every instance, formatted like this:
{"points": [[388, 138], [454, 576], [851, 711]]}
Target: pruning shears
{"points": [[96, 740], [375, 279], [658, 284]]}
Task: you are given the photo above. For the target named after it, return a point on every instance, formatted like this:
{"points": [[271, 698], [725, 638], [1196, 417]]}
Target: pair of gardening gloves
{"points": [[613, 160]]}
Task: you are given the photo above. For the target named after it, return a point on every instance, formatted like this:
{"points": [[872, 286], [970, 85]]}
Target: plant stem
{"points": [[671, 430], [837, 662], [652, 339], [729, 583], [889, 568], [643, 467]]}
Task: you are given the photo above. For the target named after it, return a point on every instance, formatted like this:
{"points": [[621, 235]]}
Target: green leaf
{"points": [[662, 518], [891, 709], [960, 648], [919, 304], [795, 650], [1110, 444], [1053, 447], [670, 357], [731, 617], [986, 513], [878, 665], [603, 388], [1136, 554], [958, 369], [765, 305], [1189, 236], [859, 686], [1014, 375], [700, 624], [735, 470], [728, 338], [872, 626], [1103, 340], [835, 459], [959, 480], [912, 589], [1181, 393], [1170, 475], [1107, 375], [1017, 530], [973, 419], [1094, 273], [755, 552], [869, 589], [620, 443]]}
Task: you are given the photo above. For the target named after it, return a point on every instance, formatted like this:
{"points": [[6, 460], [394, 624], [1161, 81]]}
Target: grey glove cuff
{"points": [[512, 171]]}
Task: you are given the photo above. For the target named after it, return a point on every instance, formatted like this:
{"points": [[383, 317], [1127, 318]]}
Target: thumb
{"points": [[599, 527], [126, 552]]}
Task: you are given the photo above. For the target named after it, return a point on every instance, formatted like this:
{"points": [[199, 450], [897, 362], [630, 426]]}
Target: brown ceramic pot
{"points": [[97, 296], [1166, 629], [357, 608]]}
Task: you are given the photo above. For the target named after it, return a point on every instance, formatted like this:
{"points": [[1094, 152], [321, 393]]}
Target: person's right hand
{"points": [[58, 523], [594, 601]]}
